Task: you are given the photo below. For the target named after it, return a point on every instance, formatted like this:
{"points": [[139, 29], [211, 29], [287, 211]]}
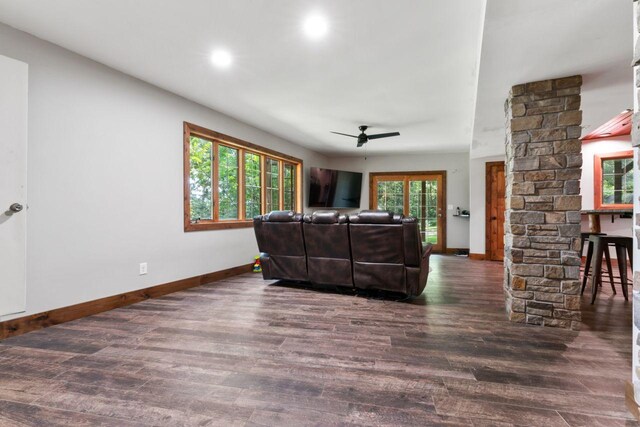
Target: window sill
{"points": [[220, 225]]}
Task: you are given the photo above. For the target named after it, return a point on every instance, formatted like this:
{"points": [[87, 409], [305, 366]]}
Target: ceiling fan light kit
{"points": [[364, 138]]}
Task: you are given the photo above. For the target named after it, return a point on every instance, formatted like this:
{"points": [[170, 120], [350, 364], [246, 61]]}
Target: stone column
{"points": [[542, 218]]}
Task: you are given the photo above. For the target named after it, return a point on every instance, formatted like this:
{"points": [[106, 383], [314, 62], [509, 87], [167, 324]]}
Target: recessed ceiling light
{"points": [[221, 58], [316, 26]]}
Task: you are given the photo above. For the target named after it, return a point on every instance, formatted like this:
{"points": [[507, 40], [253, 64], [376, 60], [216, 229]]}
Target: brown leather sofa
{"points": [[326, 239], [387, 253], [369, 250], [281, 245]]}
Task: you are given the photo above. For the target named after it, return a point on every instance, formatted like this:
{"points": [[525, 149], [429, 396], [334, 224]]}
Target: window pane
{"points": [[200, 181], [252, 185], [228, 182], [391, 196], [272, 185], [423, 204], [289, 187], [617, 181]]}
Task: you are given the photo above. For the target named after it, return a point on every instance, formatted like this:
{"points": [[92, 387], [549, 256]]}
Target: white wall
{"points": [[456, 165], [621, 227], [477, 201], [105, 174]]}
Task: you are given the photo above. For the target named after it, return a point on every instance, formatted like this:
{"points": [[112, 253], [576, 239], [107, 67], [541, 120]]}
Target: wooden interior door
{"points": [[417, 194], [494, 245]]}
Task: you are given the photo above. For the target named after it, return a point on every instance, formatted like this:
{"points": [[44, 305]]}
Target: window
{"points": [[228, 181], [613, 175]]}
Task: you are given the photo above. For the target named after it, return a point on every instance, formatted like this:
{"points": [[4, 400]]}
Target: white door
{"points": [[13, 184]]}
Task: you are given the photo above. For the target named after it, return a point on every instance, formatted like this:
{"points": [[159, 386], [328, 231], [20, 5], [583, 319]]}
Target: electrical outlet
{"points": [[449, 207], [143, 268]]}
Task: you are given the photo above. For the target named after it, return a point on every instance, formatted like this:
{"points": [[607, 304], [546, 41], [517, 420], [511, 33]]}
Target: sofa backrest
{"points": [[279, 233], [326, 238], [377, 248]]}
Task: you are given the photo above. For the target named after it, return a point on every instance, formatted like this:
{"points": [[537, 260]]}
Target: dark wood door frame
{"points": [[487, 224], [443, 177]]}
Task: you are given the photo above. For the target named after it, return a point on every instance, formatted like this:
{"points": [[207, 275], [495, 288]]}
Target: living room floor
{"points": [[248, 352]]}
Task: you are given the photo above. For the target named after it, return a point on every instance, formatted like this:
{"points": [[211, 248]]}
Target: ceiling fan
{"points": [[363, 138]]}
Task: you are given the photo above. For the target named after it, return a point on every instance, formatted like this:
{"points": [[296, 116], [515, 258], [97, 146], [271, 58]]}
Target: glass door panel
{"points": [[390, 196], [423, 204]]}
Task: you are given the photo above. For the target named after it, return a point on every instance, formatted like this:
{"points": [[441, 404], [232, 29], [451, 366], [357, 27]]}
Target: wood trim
{"points": [[263, 184], [630, 400], [478, 257], [597, 179], [186, 164], [215, 174], [281, 185], [406, 177], [241, 185], [21, 325], [299, 188], [237, 142], [220, 225]]}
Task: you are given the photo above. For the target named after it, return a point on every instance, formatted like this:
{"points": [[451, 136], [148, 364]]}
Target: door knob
{"points": [[16, 207], [493, 218]]}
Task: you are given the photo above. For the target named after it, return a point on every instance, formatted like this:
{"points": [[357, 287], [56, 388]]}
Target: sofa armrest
{"points": [[424, 267], [265, 264]]}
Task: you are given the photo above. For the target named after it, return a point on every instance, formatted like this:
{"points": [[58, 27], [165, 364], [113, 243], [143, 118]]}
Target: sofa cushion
{"points": [[282, 216], [325, 217], [375, 217]]}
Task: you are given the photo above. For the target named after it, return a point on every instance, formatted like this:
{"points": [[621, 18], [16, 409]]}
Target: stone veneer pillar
{"points": [[542, 218]]}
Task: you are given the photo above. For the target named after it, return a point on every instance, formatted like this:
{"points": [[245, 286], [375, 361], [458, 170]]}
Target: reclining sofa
{"points": [[369, 250]]}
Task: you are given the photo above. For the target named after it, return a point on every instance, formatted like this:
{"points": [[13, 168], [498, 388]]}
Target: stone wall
{"points": [[542, 218]]}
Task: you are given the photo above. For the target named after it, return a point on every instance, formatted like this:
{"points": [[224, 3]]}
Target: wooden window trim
{"points": [[216, 138], [597, 179]]}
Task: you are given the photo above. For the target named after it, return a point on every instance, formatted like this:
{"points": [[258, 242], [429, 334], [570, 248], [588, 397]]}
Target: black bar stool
{"points": [[584, 237], [601, 244]]}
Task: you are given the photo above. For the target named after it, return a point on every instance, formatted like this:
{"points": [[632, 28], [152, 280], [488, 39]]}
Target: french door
{"points": [[417, 194]]}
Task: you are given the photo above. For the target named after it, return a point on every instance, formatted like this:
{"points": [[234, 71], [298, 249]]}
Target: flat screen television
{"points": [[330, 188]]}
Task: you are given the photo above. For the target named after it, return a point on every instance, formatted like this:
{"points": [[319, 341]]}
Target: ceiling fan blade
{"points": [[383, 135], [344, 134]]}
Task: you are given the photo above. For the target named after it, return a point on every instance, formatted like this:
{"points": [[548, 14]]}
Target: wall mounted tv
{"points": [[330, 188]]}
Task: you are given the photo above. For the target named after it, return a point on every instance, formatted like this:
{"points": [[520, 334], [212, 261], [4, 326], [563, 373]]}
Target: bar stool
{"points": [[601, 244], [584, 237]]}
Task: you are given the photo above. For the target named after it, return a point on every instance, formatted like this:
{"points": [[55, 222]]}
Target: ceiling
{"points": [[527, 40], [405, 65]]}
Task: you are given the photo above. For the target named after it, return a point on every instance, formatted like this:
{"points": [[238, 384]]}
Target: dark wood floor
{"points": [[244, 352]]}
